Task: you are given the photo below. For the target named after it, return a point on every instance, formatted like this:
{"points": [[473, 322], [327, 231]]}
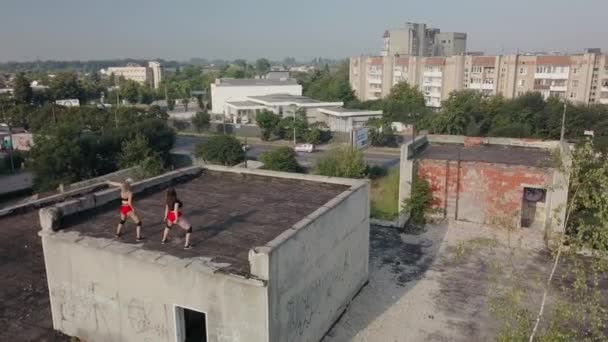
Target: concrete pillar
{"points": [[407, 167], [49, 219]]}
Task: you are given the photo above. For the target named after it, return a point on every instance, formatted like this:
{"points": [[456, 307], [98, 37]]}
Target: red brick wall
{"points": [[482, 192]]}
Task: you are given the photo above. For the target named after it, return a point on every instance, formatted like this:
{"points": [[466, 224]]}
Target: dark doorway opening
{"points": [[533, 208], [191, 325]]}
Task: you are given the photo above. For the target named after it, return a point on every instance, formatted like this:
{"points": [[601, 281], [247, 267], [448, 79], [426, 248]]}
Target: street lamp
{"points": [[293, 109], [561, 137]]}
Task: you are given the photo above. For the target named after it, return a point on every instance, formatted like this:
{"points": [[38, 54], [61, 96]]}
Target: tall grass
{"points": [[385, 196]]}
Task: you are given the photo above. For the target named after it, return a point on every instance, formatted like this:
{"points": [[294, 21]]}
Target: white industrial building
{"points": [[236, 90]]}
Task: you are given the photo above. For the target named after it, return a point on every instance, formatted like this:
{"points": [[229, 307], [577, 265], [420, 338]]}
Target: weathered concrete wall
{"points": [[317, 267], [407, 166], [102, 290], [483, 192]]}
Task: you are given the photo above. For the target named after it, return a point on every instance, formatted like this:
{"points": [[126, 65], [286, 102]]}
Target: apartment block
{"points": [[151, 75], [414, 39], [580, 78]]}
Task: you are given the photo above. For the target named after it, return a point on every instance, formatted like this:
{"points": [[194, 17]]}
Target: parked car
{"points": [[308, 148]]}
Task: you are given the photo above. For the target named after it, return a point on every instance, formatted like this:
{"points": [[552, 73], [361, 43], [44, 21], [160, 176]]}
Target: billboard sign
{"points": [[360, 138]]}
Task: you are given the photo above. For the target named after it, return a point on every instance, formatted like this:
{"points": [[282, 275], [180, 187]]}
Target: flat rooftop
{"points": [[511, 155], [230, 214], [244, 104], [243, 82], [281, 98], [341, 111]]}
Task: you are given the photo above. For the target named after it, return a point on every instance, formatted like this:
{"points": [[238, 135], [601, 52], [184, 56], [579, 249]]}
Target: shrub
{"points": [[221, 149], [375, 171], [419, 205], [201, 121], [281, 159], [341, 162]]}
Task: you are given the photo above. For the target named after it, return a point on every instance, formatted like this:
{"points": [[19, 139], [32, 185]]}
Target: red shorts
{"points": [[171, 217], [125, 209]]}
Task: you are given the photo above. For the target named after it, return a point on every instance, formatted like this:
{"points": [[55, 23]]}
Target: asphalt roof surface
{"points": [[511, 155], [230, 214]]}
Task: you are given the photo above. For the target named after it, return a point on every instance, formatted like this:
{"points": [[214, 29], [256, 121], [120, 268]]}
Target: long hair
{"points": [[125, 186], [171, 198]]}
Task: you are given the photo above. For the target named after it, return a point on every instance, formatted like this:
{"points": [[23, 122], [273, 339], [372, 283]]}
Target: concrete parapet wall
{"points": [[461, 139], [51, 221], [103, 290], [317, 267]]}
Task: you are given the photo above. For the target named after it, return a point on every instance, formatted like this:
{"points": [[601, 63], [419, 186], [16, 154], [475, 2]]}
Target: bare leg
{"points": [[137, 221], [187, 239], [166, 232], [120, 224], [182, 222]]}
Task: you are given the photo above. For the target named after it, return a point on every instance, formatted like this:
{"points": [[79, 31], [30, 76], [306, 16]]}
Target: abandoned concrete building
{"points": [[275, 257], [514, 183]]}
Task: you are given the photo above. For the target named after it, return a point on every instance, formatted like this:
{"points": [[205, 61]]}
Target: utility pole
{"points": [[561, 138], [117, 101], [10, 138]]}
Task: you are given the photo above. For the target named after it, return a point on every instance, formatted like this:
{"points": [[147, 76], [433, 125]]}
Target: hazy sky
{"points": [[102, 29]]}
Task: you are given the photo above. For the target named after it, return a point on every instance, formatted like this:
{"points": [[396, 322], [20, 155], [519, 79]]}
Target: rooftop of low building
{"points": [[500, 154], [230, 214]]}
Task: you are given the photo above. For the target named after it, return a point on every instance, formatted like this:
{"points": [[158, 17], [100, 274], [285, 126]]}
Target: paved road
{"points": [[187, 144], [16, 182]]}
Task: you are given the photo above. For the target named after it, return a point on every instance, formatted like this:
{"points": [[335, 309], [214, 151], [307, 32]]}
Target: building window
{"points": [[522, 83], [490, 71], [488, 81], [575, 70], [190, 325], [523, 70], [572, 95], [476, 69]]}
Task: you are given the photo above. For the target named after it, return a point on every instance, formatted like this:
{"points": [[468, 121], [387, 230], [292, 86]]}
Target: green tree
{"points": [[201, 121], [299, 122], [56, 158], [65, 85], [281, 159], [404, 104], [328, 86], [458, 112], [129, 90], [137, 153], [262, 66], [268, 122], [221, 149], [22, 91], [341, 162]]}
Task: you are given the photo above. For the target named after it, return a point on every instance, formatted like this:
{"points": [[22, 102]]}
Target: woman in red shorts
{"points": [[173, 215], [127, 209]]}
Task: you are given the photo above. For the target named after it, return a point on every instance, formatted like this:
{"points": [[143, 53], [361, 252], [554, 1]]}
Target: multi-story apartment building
{"points": [[416, 39], [152, 74], [581, 78]]}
